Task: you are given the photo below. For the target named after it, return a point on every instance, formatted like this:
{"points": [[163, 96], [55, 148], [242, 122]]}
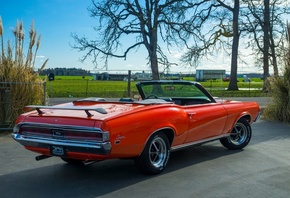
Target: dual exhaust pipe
{"points": [[84, 162]]}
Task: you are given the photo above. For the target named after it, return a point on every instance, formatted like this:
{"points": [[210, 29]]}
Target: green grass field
{"points": [[77, 86]]}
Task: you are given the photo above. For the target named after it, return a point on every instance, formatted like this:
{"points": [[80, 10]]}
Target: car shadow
{"points": [[64, 180]]}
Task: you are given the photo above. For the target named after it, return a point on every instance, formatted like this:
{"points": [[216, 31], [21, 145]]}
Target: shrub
{"points": [[19, 84], [279, 108]]}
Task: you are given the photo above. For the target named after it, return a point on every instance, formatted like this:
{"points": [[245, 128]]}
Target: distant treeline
{"points": [[82, 72], [66, 72]]}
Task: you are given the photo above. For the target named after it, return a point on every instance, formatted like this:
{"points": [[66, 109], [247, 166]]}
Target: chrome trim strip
{"points": [[79, 146], [182, 146], [258, 117]]}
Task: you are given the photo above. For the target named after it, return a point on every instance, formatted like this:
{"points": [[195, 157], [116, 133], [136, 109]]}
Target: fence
{"points": [[14, 96], [12, 93]]}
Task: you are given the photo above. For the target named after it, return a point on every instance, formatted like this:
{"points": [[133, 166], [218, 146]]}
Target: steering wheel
{"points": [[152, 96]]}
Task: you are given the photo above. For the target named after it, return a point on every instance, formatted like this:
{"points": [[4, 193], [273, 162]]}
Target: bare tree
{"points": [[223, 20], [265, 22], [146, 22], [266, 41], [232, 7], [233, 85]]}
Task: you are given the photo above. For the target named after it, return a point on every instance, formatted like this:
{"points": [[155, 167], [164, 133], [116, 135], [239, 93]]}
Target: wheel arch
{"points": [[247, 117], [169, 132]]}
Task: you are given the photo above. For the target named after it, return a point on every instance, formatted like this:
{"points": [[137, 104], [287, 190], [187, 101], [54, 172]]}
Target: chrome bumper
{"points": [[102, 148], [258, 117]]}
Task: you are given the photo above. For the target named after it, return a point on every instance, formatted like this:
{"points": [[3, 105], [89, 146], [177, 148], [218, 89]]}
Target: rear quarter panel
{"points": [[130, 132], [237, 109]]}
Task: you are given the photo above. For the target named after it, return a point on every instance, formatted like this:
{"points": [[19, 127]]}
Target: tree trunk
{"points": [[273, 53], [266, 45], [154, 66], [152, 51], [233, 85]]}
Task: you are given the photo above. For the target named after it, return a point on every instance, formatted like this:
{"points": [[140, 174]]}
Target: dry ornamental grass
{"points": [[19, 84]]}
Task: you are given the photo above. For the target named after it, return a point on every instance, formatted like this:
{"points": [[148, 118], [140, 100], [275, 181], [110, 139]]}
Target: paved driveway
{"points": [[261, 170]]}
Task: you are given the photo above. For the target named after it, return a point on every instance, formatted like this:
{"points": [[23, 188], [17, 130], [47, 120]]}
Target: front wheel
{"points": [[155, 155], [239, 137]]}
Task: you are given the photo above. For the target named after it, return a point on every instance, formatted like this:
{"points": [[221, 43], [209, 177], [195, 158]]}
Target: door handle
{"points": [[191, 114]]}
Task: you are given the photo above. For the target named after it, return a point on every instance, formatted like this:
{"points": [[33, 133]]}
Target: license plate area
{"points": [[58, 151]]}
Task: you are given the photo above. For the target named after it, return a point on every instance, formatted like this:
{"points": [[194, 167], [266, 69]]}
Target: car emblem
{"points": [[57, 134], [118, 139]]}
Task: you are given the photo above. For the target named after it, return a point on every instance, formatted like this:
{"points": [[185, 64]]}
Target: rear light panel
{"points": [[64, 132]]}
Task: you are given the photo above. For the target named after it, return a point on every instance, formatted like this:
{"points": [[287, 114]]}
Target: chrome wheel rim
{"points": [[157, 152], [239, 134]]}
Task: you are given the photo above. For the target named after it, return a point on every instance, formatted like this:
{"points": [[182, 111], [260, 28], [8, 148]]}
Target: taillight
{"points": [[65, 132], [91, 136], [33, 131]]}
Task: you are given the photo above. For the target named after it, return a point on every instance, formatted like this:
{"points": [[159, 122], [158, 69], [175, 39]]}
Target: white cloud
{"points": [[40, 57]]}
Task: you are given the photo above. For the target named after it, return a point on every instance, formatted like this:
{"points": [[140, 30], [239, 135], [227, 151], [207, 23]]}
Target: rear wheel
{"points": [[239, 137], [155, 155]]}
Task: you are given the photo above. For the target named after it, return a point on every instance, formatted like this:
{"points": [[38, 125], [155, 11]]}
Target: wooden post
{"points": [[129, 83]]}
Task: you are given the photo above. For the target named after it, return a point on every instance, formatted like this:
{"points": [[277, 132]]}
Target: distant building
{"points": [[110, 76], [206, 74], [140, 76]]}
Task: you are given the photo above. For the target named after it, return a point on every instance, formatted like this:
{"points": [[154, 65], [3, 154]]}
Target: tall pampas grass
{"points": [[1, 36], [279, 108], [20, 85]]}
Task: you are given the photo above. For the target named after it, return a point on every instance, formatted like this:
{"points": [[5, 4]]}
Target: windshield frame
{"points": [[198, 86]]}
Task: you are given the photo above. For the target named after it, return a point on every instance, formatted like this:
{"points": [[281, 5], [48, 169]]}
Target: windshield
{"points": [[172, 90]]}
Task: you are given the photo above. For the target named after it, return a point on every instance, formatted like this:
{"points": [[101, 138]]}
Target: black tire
{"points": [[155, 155], [239, 137], [72, 161]]}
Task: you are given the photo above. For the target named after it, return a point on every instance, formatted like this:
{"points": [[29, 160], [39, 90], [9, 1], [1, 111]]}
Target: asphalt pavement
{"points": [[262, 169]]}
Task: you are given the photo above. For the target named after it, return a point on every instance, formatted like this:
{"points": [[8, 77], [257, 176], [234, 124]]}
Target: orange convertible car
{"points": [[170, 115]]}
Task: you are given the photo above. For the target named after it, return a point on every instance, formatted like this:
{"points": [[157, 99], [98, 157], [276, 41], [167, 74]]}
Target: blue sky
{"points": [[56, 20]]}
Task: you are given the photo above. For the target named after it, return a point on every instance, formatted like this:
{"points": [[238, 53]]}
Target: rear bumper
{"points": [[100, 148]]}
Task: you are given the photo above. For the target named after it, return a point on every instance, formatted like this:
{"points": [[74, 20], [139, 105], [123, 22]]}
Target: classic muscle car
{"points": [[169, 115]]}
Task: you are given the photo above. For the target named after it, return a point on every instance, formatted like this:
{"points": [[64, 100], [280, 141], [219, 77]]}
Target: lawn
{"points": [[77, 86]]}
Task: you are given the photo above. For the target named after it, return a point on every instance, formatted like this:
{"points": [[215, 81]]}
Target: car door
{"points": [[205, 121]]}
